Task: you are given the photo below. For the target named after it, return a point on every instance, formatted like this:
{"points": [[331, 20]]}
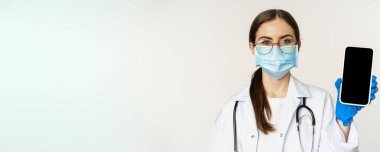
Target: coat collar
{"points": [[296, 88]]}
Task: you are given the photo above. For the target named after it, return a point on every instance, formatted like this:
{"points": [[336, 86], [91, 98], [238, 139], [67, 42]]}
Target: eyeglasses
{"points": [[265, 46]]}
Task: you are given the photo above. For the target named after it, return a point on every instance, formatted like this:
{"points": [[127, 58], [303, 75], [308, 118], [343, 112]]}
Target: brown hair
{"points": [[257, 91]]}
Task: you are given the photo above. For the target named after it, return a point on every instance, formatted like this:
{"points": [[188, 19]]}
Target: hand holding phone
{"points": [[345, 112], [357, 71], [358, 87]]}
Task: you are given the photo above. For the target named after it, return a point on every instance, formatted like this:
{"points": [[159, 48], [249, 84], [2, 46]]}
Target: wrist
{"points": [[345, 129], [345, 121]]}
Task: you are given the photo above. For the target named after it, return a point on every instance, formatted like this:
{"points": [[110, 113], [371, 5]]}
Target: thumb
{"points": [[338, 82]]}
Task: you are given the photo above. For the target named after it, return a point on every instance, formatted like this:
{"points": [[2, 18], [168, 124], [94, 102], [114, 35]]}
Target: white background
{"points": [[150, 76]]}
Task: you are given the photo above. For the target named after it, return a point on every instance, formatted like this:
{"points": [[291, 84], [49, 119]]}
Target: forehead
{"points": [[274, 29]]}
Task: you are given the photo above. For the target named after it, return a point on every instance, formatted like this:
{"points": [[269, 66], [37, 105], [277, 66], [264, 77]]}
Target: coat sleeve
{"points": [[222, 131], [332, 137]]}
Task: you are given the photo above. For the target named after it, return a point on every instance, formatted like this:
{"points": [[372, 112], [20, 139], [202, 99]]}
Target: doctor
{"points": [[266, 111]]}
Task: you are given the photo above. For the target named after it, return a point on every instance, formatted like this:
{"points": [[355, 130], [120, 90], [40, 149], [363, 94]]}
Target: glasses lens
{"points": [[288, 49], [287, 42], [263, 49]]}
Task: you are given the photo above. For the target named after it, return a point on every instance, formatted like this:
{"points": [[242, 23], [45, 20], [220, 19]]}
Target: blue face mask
{"points": [[276, 62]]}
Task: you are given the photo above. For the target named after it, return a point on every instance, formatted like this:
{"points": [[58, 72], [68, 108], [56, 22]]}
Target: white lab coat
{"points": [[328, 136]]}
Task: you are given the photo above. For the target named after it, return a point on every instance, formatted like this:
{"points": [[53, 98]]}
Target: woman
{"points": [[265, 115]]}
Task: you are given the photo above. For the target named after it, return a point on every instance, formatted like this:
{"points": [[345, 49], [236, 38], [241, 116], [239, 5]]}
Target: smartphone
{"points": [[357, 76]]}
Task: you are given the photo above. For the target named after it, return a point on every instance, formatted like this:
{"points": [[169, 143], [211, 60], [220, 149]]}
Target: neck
{"points": [[276, 88]]}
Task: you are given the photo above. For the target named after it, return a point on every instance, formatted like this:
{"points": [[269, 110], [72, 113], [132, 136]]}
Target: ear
{"points": [[252, 48], [299, 46]]}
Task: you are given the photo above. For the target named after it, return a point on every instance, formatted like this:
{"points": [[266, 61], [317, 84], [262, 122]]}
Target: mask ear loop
{"points": [[296, 55], [256, 56]]}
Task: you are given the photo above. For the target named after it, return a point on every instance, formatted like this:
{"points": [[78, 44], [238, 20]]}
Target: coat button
{"points": [[253, 136], [281, 135]]}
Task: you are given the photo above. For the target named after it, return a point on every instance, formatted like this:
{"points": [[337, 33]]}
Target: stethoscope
{"points": [[303, 105]]}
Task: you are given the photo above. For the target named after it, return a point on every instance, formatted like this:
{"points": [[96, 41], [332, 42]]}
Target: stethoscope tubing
{"points": [[303, 105]]}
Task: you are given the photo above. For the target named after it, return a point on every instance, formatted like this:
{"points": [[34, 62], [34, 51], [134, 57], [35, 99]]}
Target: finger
{"points": [[373, 97], [338, 82], [374, 84], [358, 108], [374, 77], [374, 90]]}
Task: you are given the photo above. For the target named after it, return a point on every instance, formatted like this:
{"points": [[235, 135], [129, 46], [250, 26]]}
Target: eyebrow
{"points": [[267, 37]]}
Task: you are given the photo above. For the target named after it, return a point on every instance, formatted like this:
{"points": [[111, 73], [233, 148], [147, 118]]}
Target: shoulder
{"points": [[313, 92], [319, 94], [317, 91], [321, 102], [241, 95]]}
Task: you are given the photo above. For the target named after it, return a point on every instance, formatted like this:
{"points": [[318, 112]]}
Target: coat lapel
{"points": [[296, 90]]}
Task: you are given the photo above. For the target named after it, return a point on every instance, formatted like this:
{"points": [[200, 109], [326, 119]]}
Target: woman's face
{"points": [[274, 31]]}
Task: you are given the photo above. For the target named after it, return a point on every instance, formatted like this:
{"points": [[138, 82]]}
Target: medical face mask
{"points": [[276, 62]]}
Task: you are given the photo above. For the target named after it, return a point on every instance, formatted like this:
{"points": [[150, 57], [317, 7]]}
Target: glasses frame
{"points": [[255, 44]]}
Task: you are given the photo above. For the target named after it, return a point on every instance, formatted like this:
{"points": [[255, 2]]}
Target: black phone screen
{"points": [[356, 79]]}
